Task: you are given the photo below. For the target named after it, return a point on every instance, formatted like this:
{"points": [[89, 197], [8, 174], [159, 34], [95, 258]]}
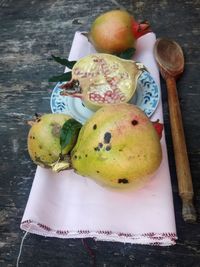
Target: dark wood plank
{"points": [[30, 32]]}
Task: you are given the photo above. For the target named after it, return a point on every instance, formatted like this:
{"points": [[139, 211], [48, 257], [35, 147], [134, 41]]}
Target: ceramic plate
{"points": [[146, 98]]}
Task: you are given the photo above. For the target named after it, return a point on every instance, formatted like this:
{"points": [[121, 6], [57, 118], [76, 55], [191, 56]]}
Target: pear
{"points": [[44, 141], [116, 31], [118, 147]]}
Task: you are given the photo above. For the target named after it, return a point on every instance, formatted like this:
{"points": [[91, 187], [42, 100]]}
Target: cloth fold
{"points": [[67, 205]]}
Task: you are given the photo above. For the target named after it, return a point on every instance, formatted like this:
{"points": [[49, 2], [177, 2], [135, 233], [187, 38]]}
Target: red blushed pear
{"points": [[116, 31], [122, 136]]}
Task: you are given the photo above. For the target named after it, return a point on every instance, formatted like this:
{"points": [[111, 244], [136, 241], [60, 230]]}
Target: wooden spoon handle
{"points": [[180, 151]]}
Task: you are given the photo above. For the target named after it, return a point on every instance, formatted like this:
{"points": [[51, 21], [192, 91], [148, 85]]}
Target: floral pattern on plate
{"points": [[147, 97]]}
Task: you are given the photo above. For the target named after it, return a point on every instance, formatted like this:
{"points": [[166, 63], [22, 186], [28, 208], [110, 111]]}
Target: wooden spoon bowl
{"points": [[169, 57]]}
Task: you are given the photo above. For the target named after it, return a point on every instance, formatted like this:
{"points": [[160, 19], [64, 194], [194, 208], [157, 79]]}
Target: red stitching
{"points": [[27, 221], [125, 234], [43, 226], [151, 235], [169, 234], [83, 231], [62, 232], [105, 232]]}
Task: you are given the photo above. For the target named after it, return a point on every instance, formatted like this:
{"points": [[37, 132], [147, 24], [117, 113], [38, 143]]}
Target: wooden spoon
{"points": [[170, 59]]}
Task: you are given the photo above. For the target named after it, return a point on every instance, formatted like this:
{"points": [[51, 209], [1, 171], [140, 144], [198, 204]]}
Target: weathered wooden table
{"points": [[30, 32]]}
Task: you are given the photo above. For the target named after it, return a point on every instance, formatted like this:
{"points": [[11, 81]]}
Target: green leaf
{"points": [[64, 61], [69, 132], [127, 54], [61, 78]]}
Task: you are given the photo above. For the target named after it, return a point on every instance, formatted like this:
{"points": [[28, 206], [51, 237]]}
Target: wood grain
{"points": [[180, 151], [170, 59]]}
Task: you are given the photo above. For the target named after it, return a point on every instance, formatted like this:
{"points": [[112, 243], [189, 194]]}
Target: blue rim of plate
{"points": [[146, 97]]}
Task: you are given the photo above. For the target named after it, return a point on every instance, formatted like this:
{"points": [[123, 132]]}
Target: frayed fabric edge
{"points": [[150, 238]]}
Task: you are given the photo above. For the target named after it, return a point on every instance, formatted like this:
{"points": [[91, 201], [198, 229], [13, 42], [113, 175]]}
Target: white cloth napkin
{"points": [[67, 205]]}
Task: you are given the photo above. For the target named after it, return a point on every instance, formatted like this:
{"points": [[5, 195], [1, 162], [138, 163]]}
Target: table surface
{"points": [[30, 32]]}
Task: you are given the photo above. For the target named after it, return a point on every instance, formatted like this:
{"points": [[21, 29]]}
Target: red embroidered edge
{"points": [[156, 238]]}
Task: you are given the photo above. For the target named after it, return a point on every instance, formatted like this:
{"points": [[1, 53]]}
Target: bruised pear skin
{"points": [[44, 139], [118, 147]]}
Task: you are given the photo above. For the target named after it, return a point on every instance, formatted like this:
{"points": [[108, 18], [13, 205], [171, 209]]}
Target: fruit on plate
{"points": [[116, 31], [45, 140], [102, 79], [118, 147]]}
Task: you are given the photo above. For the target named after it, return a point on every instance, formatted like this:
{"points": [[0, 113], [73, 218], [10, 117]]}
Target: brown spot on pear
{"points": [[141, 156], [44, 139]]}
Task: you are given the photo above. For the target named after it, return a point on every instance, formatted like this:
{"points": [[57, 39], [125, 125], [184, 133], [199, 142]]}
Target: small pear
{"points": [[44, 141]]}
